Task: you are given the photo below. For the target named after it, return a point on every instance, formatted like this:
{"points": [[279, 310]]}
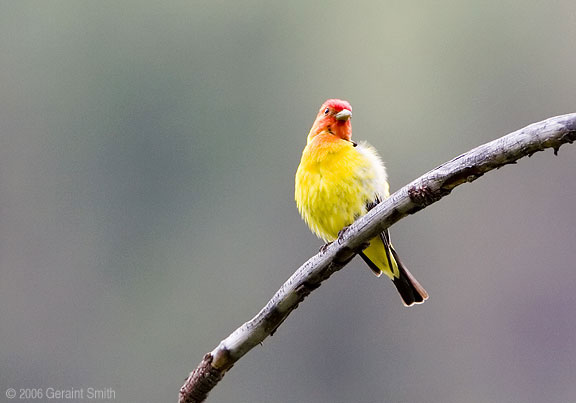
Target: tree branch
{"points": [[428, 189]]}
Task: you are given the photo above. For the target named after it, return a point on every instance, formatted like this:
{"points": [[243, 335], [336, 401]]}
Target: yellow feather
{"points": [[334, 183]]}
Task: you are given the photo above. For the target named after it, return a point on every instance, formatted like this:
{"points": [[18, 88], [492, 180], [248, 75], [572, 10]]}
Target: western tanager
{"points": [[338, 181]]}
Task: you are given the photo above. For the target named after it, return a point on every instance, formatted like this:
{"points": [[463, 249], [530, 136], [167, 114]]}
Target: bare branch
{"points": [[428, 189]]}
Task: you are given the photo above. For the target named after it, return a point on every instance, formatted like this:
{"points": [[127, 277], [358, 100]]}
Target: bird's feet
{"points": [[341, 233]]}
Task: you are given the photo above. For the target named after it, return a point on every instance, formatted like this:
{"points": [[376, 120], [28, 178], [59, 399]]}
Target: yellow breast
{"points": [[335, 181]]}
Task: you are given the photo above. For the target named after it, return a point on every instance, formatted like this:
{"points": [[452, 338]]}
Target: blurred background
{"points": [[147, 159]]}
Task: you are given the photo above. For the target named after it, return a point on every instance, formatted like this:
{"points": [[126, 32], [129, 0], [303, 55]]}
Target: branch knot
{"points": [[422, 195]]}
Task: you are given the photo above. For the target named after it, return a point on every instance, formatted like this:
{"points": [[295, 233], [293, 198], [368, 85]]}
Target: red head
{"points": [[333, 117]]}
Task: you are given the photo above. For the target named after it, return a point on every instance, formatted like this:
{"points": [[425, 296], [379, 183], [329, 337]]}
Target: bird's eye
{"points": [[326, 111]]}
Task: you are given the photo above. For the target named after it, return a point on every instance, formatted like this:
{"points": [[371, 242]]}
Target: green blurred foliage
{"points": [[147, 155]]}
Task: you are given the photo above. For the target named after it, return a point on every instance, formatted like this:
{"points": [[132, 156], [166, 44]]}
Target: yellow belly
{"points": [[334, 182]]}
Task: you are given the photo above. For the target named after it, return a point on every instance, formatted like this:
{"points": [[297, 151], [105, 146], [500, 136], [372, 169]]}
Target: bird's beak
{"points": [[344, 114]]}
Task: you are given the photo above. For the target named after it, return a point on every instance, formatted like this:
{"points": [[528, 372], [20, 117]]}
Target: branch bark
{"points": [[422, 192]]}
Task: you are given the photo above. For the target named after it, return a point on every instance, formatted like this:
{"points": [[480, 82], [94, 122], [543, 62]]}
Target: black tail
{"points": [[409, 288]]}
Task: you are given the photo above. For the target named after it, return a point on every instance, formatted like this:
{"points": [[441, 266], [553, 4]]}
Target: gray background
{"points": [[147, 157]]}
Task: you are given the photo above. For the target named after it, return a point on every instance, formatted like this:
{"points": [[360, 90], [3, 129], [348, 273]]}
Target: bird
{"points": [[338, 181]]}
